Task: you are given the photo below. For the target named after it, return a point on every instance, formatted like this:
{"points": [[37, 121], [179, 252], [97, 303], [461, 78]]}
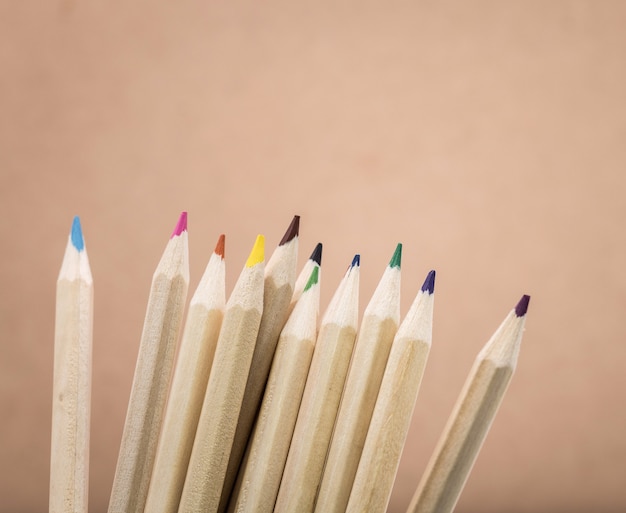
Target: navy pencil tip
{"points": [[429, 283], [522, 306], [316, 256], [356, 261]]}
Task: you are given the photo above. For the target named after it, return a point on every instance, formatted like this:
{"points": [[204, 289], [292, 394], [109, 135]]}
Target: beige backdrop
{"points": [[488, 137]]}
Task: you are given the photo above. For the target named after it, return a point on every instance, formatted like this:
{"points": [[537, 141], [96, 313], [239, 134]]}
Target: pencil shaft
{"points": [[305, 461], [183, 409], [445, 476], [148, 394], [280, 274], [220, 411], [355, 411], [387, 432], [153, 372], [71, 404]]}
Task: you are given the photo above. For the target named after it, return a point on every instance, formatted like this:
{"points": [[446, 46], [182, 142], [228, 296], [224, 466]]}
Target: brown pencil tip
{"points": [[292, 231], [219, 247]]}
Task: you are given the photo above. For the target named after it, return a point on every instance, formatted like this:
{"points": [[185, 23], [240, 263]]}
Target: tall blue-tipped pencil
{"points": [[71, 390]]}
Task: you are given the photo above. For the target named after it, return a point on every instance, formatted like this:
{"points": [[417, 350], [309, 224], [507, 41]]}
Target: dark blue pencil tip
{"points": [[356, 261], [77, 235], [429, 283], [522, 306], [316, 256]]}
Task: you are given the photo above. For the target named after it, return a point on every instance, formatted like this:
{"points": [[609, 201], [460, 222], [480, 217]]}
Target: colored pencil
{"points": [[224, 393], [394, 406], [152, 375], [193, 366], [280, 275], [471, 417], [262, 469], [315, 260], [71, 389], [376, 333], [320, 400]]}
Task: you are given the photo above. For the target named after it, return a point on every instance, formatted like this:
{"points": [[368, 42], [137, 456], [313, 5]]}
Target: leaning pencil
{"points": [[315, 260], [376, 333], [224, 393], [152, 375], [471, 418], [193, 366], [262, 469], [71, 390], [394, 406], [320, 400], [280, 274]]}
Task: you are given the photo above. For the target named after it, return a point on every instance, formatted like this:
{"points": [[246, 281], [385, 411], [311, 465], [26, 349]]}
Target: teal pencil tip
{"points": [[77, 235], [397, 257]]}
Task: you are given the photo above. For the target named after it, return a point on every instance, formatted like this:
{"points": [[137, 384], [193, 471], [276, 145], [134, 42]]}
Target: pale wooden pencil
{"points": [[71, 389], [224, 394], [315, 260], [262, 469], [193, 366], [471, 417], [376, 333], [320, 400], [394, 406], [152, 375], [280, 274]]}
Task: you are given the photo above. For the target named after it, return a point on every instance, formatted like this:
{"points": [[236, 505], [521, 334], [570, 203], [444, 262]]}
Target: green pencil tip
{"points": [[312, 279], [397, 257]]}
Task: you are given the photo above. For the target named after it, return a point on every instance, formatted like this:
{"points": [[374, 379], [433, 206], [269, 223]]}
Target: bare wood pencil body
{"points": [[320, 400], [224, 394], [71, 391], [390, 422], [471, 418], [152, 376], [262, 468], [280, 275], [376, 333], [189, 384]]}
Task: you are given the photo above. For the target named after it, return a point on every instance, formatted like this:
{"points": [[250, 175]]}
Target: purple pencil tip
{"points": [[429, 283], [522, 306], [181, 226]]}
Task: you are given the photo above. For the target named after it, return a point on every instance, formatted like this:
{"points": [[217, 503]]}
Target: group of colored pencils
{"points": [[266, 408]]}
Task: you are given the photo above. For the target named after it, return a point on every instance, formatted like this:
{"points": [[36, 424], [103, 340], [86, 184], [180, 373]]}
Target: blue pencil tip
{"points": [[429, 283], [77, 235], [356, 261]]}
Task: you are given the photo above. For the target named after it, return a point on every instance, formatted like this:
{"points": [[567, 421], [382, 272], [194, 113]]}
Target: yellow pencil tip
{"points": [[257, 255]]}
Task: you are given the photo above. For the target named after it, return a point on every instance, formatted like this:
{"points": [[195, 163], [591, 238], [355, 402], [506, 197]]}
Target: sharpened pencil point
{"points": [[77, 235], [292, 231], [356, 261], [257, 255], [397, 257], [429, 283], [219, 247], [313, 279], [181, 225], [316, 256], [522, 306]]}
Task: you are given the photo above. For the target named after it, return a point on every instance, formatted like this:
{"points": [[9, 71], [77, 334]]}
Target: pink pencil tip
{"points": [[181, 226]]}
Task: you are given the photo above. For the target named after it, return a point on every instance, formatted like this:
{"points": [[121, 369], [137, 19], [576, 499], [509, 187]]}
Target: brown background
{"points": [[488, 137]]}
